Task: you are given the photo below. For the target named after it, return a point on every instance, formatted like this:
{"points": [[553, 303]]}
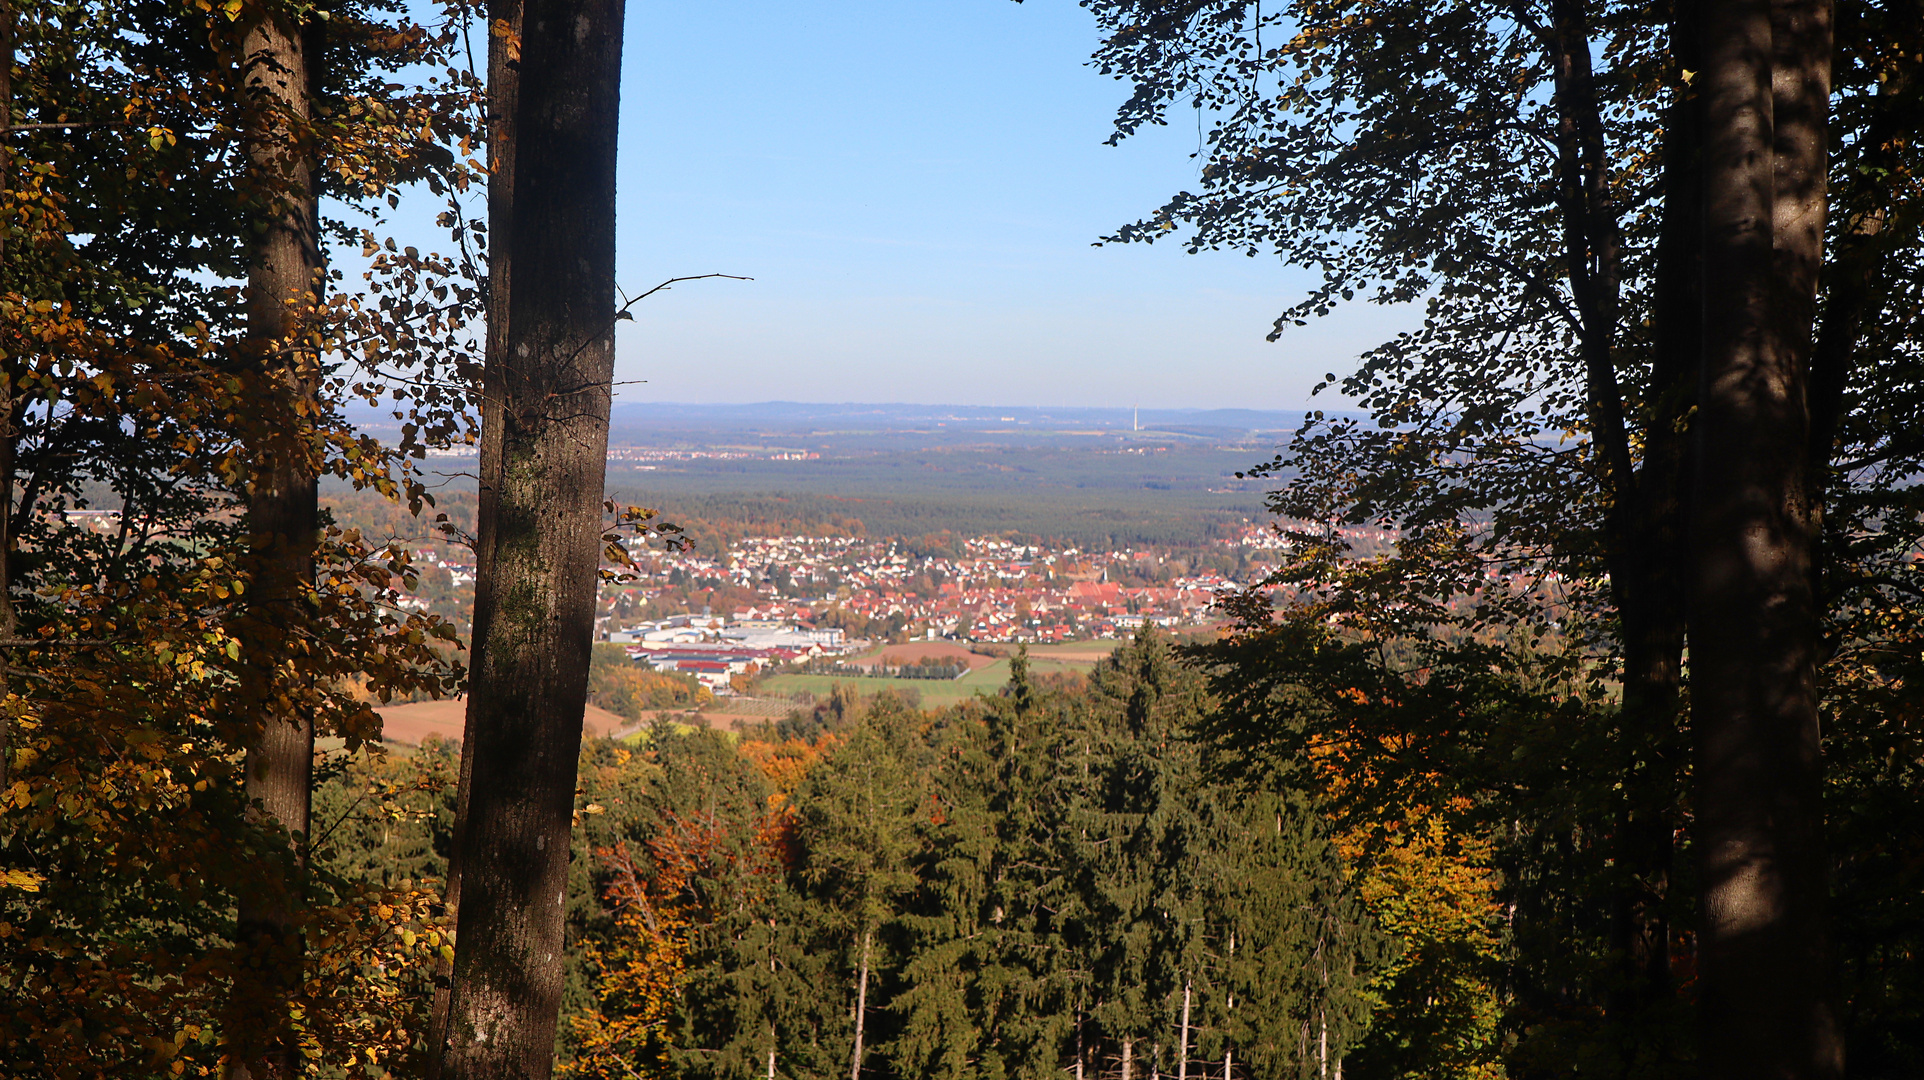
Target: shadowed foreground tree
{"points": [[278, 65], [1765, 1006], [546, 395], [1530, 175]]}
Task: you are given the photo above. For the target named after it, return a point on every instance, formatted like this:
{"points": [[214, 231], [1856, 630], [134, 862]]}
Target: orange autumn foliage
{"points": [[640, 976], [662, 903], [1434, 890]]}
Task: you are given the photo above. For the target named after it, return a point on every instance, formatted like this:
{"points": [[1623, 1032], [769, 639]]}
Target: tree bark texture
{"points": [[545, 434], [1643, 523], [1764, 1008], [1649, 584], [277, 68], [504, 93], [9, 439]]}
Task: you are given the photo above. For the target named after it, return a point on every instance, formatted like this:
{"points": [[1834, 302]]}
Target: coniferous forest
{"points": [[1059, 878], [1607, 766]]}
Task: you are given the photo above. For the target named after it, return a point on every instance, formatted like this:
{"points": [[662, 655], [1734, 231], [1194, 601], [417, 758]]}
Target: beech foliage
{"points": [[1525, 181], [131, 418]]}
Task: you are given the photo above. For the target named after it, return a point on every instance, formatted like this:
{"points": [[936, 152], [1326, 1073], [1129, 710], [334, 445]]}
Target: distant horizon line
{"points": [[787, 402]]}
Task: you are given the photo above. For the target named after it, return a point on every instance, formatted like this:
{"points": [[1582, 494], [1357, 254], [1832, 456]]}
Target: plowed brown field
{"points": [[411, 723], [915, 651]]}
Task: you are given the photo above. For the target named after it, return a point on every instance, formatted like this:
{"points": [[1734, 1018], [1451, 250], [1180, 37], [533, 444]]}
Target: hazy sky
{"points": [[915, 185]]}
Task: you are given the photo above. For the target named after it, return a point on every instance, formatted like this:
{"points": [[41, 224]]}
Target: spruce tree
{"points": [[1232, 930], [857, 825], [986, 995], [1295, 948], [1150, 887], [751, 1004]]}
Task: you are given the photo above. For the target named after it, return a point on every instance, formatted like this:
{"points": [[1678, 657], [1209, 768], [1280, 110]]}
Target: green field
{"points": [[934, 693], [1075, 652]]}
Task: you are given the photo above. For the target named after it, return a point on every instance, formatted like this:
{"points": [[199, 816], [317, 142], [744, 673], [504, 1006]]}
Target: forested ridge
{"points": [[1606, 768]]}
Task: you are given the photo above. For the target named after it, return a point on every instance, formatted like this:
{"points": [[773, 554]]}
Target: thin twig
{"points": [[622, 311], [11, 128]]}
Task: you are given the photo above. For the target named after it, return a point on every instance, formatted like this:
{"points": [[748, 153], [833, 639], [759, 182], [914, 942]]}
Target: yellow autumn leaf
{"points": [[24, 880]]}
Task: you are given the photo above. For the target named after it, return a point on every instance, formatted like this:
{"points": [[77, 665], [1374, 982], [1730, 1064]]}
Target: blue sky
{"points": [[915, 185]]}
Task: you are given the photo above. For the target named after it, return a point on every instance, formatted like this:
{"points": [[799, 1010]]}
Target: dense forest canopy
{"points": [[1026, 883]]}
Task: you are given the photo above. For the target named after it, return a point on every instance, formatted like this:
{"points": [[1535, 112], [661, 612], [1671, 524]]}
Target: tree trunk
{"points": [[9, 618], [278, 53], [1322, 1044], [9, 439], [861, 1008], [1764, 1009], [1853, 287], [1643, 524], [544, 445], [1078, 1069], [504, 95], [1182, 1044], [1128, 1045], [1650, 589]]}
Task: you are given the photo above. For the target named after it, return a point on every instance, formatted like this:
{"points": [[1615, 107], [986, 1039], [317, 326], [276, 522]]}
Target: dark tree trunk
{"points": [[545, 435], [1764, 1009], [504, 92], [9, 439], [1650, 590], [9, 618], [1852, 289], [282, 290], [1642, 526]]}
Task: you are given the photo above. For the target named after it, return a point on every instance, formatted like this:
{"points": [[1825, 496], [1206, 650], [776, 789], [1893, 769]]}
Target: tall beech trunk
{"points": [[1764, 1008], [9, 439], [278, 55], [544, 444], [1650, 587], [1643, 520], [1853, 287], [504, 93]]}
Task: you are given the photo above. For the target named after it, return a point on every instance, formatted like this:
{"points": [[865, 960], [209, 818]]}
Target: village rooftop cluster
{"points": [[799, 599]]}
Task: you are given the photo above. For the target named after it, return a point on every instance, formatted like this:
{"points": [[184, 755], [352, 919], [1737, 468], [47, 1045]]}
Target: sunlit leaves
{"points": [[136, 419]]}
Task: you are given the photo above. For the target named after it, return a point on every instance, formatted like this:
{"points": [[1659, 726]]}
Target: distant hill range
{"points": [[797, 416], [861, 428]]}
